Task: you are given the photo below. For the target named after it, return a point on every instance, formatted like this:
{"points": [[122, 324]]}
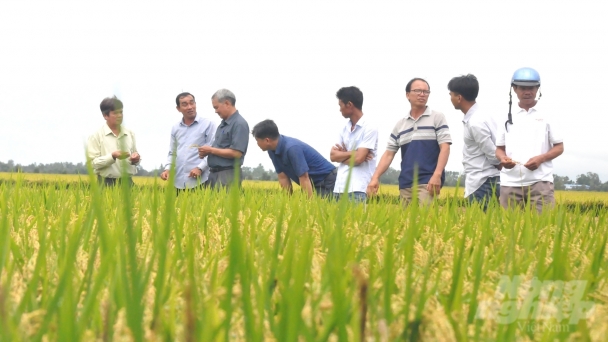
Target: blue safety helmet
{"points": [[525, 77]]}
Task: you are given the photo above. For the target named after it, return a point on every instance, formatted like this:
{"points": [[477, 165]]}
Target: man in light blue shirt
{"points": [[191, 132]]}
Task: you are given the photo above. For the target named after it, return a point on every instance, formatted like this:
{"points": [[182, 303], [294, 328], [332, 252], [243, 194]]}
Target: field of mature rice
{"points": [[561, 196], [82, 263]]}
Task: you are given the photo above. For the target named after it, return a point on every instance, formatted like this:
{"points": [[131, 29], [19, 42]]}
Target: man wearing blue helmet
{"points": [[526, 145]]}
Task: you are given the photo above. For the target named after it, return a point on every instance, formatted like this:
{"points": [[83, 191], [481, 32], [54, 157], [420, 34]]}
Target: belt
{"points": [[218, 169], [114, 178]]}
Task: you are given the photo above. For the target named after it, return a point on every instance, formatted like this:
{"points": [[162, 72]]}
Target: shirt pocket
{"points": [[201, 139], [224, 139]]}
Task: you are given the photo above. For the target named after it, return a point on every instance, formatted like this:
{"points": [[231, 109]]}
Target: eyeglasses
{"points": [[420, 91]]}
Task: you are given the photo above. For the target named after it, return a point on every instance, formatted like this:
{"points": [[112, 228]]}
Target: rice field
{"points": [[82, 263], [392, 190]]}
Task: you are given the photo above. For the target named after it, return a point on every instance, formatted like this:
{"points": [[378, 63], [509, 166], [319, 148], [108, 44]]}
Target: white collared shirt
{"points": [[479, 150], [530, 135], [365, 135], [100, 146]]}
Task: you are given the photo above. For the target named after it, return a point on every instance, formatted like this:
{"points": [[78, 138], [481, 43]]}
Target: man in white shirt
{"points": [[526, 145], [481, 167], [190, 133], [112, 148], [358, 140]]}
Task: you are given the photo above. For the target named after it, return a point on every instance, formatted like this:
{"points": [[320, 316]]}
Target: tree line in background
{"points": [[584, 182]]}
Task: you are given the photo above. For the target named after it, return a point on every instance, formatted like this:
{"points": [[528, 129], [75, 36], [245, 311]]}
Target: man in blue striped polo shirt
{"points": [[424, 139]]}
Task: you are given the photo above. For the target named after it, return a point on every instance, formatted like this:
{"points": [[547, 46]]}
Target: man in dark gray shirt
{"points": [[231, 140]]}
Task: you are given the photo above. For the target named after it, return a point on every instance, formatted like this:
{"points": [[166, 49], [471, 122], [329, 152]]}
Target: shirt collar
{"points": [[470, 113], [107, 130], [280, 145], [196, 119], [427, 112], [531, 111], [230, 119], [359, 123]]}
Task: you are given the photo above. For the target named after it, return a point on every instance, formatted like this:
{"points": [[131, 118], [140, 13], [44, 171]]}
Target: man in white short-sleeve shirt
{"points": [[358, 139], [526, 145]]}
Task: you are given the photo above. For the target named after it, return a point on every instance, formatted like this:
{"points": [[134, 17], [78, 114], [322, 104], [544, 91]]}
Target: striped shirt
{"points": [[419, 141]]}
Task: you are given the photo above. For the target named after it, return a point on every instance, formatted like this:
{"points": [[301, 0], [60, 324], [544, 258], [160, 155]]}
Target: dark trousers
{"points": [[110, 182], [490, 188], [325, 188], [223, 178]]}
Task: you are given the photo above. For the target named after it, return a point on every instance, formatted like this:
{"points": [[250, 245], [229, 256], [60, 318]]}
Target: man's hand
{"points": [[195, 173], [339, 147], [204, 151], [164, 175], [120, 154], [498, 167], [434, 185], [534, 163], [507, 162], [372, 187], [370, 155], [134, 158]]}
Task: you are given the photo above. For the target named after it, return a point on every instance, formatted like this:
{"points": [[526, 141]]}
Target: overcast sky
{"points": [[285, 61]]}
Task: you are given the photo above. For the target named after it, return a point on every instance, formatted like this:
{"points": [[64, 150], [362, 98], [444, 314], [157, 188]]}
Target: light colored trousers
{"points": [[424, 197], [539, 194]]}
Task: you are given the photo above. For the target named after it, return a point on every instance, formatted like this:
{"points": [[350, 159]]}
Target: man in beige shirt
{"points": [[112, 148]]}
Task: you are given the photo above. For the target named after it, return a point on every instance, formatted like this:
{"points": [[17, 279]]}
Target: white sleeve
{"points": [[482, 134]]}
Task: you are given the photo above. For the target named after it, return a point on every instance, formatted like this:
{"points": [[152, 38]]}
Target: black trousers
{"points": [[196, 188], [112, 181], [325, 188]]}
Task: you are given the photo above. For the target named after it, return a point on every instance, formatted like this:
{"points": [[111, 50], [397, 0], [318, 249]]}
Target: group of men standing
{"points": [[204, 154], [512, 163]]}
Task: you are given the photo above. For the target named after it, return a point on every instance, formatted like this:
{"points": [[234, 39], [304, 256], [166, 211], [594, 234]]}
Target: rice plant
{"points": [[80, 262]]}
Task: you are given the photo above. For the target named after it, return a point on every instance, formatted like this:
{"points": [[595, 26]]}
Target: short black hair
{"points": [[110, 104], [466, 85], [352, 95], [181, 96], [265, 129], [408, 87]]}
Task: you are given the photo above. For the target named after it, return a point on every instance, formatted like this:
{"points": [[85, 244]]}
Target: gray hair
{"points": [[223, 95]]}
